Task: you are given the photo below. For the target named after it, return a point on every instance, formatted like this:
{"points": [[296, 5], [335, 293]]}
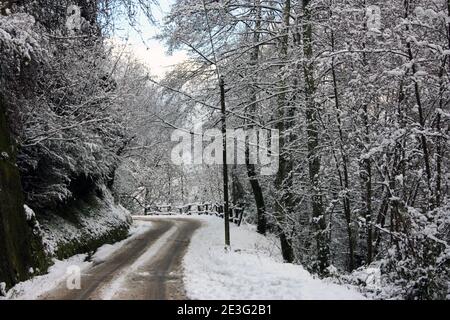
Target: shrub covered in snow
{"points": [[84, 225], [63, 100], [20, 43], [419, 263]]}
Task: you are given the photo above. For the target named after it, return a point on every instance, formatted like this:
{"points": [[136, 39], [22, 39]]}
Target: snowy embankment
{"points": [[61, 269], [83, 227], [72, 232], [253, 269]]}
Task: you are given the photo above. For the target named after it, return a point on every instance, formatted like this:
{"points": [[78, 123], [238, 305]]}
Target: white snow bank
{"points": [[252, 270], [58, 272], [33, 288]]}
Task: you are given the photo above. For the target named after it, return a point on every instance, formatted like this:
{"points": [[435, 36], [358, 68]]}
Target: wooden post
{"points": [[225, 165]]}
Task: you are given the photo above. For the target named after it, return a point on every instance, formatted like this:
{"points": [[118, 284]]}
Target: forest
{"points": [[358, 91]]}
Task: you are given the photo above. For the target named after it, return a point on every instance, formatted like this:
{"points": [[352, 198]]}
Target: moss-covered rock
{"points": [[21, 251]]}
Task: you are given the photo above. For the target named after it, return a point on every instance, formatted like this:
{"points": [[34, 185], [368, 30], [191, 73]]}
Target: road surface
{"points": [[147, 267]]}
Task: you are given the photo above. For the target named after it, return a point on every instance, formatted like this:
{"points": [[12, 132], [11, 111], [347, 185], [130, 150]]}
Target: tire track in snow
{"points": [[148, 267]]}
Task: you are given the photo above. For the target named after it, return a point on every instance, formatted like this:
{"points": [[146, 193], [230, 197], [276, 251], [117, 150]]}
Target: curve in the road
{"points": [[146, 267]]}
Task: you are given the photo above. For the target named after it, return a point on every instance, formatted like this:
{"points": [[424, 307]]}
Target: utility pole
{"points": [[182, 189], [225, 164]]}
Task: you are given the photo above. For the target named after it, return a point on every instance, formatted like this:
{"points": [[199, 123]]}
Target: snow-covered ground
{"points": [[59, 271], [253, 269]]}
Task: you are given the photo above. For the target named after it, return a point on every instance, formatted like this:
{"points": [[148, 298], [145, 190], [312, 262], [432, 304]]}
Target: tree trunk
{"points": [[237, 190], [251, 172], [345, 182], [439, 142], [319, 221], [423, 138], [366, 178], [283, 178], [367, 181]]}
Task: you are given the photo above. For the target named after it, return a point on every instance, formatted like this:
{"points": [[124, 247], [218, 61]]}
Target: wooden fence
{"points": [[236, 214]]}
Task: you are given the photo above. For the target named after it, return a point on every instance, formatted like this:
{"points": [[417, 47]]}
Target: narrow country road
{"points": [[147, 267]]}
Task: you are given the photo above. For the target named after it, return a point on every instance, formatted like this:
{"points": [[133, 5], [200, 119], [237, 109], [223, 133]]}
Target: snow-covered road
{"points": [[145, 267], [184, 258]]}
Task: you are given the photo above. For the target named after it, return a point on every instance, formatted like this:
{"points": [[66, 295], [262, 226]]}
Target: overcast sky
{"points": [[143, 45]]}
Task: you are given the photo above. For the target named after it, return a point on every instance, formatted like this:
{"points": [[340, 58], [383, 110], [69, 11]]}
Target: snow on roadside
{"points": [[252, 270], [31, 289], [58, 272]]}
